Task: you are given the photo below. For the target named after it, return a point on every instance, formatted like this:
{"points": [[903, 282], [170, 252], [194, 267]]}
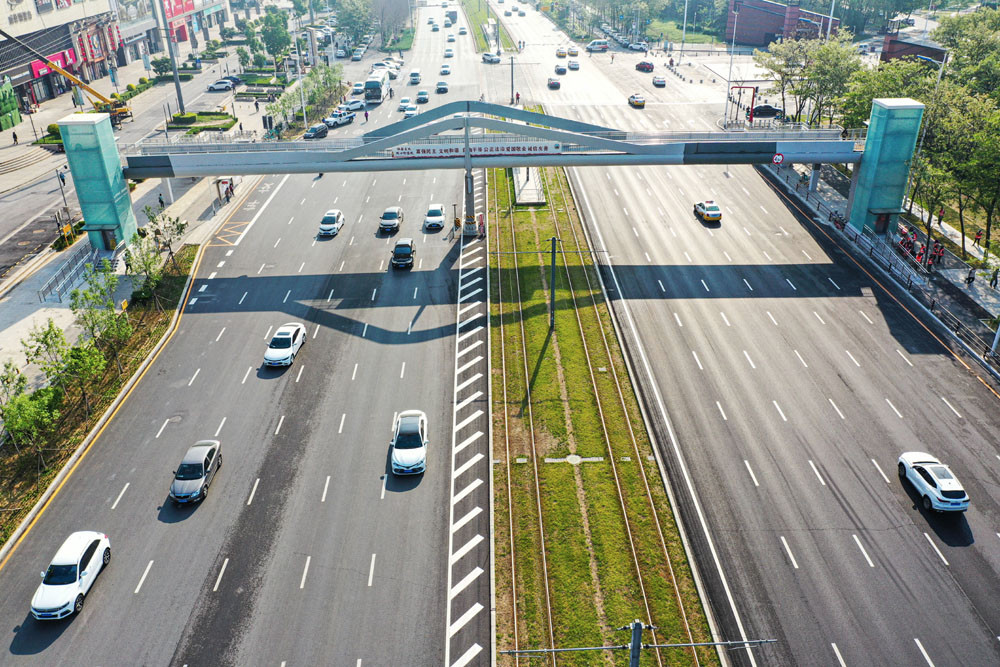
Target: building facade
{"points": [[762, 22]]}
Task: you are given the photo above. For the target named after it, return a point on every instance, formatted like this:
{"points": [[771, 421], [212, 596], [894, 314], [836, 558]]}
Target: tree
{"points": [[259, 61], [354, 17], [828, 70], [166, 230], [275, 33], [144, 268], [974, 43], [785, 63], [30, 418], [47, 347], [84, 365], [94, 308], [986, 172], [244, 57], [12, 385], [896, 78], [299, 7], [162, 66]]}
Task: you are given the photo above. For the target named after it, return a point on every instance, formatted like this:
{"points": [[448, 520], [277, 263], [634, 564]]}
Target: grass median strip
{"points": [[596, 580], [478, 15]]}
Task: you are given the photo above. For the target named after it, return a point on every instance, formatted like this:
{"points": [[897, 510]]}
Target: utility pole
{"points": [[729, 77], [552, 298], [680, 55], [512, 79], [170, 51]]}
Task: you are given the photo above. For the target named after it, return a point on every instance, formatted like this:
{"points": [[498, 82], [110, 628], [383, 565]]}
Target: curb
{"points": [[19, 532], [28, 269]]}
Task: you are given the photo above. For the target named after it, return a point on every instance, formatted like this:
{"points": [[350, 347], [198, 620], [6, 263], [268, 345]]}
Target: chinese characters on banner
{"points": [[479, 150]]}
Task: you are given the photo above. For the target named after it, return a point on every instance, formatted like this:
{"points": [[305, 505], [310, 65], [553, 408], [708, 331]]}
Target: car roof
{"points": [[73, 546], [196, 452], [409, 422], [406, 241], [287, 329], [332, 212]]}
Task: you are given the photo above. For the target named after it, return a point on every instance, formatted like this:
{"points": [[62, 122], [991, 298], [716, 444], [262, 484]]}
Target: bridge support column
{"points": [[100, 185], [814, 177], [880, 179]]}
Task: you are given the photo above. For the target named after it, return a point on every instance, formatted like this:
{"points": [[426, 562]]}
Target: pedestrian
{"points": [[482, 229], [241, 127], [971, 278], [612, 59], [256, 106], [62, 177], [128, 262], [527, 174], [920, 256], [390, 93], [517, 96], [979, 237], [161, 201], [14, 134], [366, 116], [930, 262], [941, 216]]}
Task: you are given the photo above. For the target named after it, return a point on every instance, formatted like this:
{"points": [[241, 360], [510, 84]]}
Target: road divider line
{"points": [[384, 480], [747, 284], [806, 254], [750, 470], [220, 334], [879, 468], [463, 619], [747, 355], [697, 360], [664, 289], [122, 493], [464, 583], [165, 422], [721, 411], [354, 374], [800, 358], [900, 353], [898, 414], [778, 408], [840, 658], [326, 486], [298, 375], [191, 381], [472, 514], [245, 375], [305, 571], [772, 317], [281, 420], [789, 552], [702, 284], [923, 652], [863, 552], [371, 571], [222, 571], [340, 429], [816, 470], [790, 283], [835, 284], [253, 491], [852, 358], [936, 550], [725, 319], [240, 303], [143, 577], [402, 370], [836, 408], [466, 491], [819, 318], [957, 413], [676, 316]]}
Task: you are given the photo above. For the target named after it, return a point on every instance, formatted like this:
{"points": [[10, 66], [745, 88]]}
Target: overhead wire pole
{"points": [[162, 24], [729, 76]]}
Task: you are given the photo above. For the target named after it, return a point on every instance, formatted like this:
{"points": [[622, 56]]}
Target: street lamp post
{"points": [[732, 52], [684, 29], [920, 148], [829, 22]]}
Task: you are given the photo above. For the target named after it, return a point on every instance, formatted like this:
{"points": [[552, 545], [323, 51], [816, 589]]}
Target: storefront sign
{"points": [[479, 150], [174, 8], [43, 6], [63, 59]]}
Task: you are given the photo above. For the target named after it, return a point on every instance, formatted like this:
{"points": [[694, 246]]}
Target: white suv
{"points": [[70, 575]]}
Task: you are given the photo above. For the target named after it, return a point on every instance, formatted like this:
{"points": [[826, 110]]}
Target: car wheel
{"points": [[220, 462], [927, 503], [204, 492], [902, 471], [78, 605], [107, 556]]}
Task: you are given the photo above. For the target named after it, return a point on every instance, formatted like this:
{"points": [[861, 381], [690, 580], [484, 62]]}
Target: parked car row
{"points": [[625, 40]]}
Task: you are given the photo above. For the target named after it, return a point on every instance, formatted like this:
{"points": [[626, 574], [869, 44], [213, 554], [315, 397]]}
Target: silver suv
{"points": [[390, 220]]}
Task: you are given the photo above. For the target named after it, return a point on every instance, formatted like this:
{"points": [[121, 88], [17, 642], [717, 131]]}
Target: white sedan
{"points": [[70, 575], [937, 486], [331, 223], [411, 111], [353, 105], [409, 443], [435, 217], [449, 53], [358, 88], [403, 103], [285, 344], [446, 69]]}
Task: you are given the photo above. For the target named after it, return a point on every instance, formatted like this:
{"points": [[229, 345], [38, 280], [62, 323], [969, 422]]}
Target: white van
{"points": [[599, 45], [415, 76]]}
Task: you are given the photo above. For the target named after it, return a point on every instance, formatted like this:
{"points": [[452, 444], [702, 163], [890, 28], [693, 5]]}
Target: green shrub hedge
{"points": [[169, 78], [185, 118]]}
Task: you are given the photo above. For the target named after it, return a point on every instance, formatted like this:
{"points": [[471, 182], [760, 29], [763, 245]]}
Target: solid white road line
{"points": [[220, 334], [836, 408], [253, 491], [340, 429], [191, 381], [245, 375], [298, 375], [325, 487], [900, 353], [468, 464], [472, 514], [778, 407], [305, 571], [222, 571], [281, 420], [852, 358], [466, 491], [879, 468], [790, 283], [465, 548], [464, 583], [165, 422], [355, 373], [938, 551], [772, 317], [371, 571], [957, 414], [143, 578], [725, 319], [747, 284], [818, 317], [721, 411], [816, 470], [697, 360], [894, 408], [840, 659], [789, 552], [677, 317], [750, 470], [800, 358], [240, 303], [863, 552], [834, 283], [120, 496], [923, 652], [464, 618], [747, 355]]}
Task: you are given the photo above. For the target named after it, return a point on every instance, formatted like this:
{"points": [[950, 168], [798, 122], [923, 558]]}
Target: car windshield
{"points": [[329, 220], [389, 215], [403, 250], [189, 471], [712, 208], [280, 342], [434, 212], [941, 472], [58, 575], [409, 441]]}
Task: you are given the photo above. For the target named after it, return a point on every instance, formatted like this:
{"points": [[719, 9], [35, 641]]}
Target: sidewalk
{"points": [[21, 309]]}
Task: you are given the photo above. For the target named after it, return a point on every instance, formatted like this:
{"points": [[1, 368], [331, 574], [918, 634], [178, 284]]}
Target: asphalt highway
{"points": [[784, 379], [307, 550]]}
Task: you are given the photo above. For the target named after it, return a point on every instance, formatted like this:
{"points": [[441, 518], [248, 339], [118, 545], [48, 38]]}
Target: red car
{"points": [[644, 66]]}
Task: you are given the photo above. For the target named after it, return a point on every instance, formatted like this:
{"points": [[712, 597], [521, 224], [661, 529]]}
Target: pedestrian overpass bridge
{"points": [[469, 134], [463, 135]]}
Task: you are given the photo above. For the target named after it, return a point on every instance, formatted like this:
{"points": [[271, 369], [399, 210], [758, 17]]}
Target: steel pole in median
{"points": [[162, 23], [680, 54], [552, 287], [729, 77]]}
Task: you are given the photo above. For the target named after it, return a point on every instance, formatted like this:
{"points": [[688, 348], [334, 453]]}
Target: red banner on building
{"points": [[64, 59]]}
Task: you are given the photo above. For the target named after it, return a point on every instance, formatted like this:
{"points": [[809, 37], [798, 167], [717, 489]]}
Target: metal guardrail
{"points": [[69, 273]]}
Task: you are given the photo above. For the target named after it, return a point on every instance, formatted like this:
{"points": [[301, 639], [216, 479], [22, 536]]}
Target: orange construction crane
{"points": [[117, 109]]}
